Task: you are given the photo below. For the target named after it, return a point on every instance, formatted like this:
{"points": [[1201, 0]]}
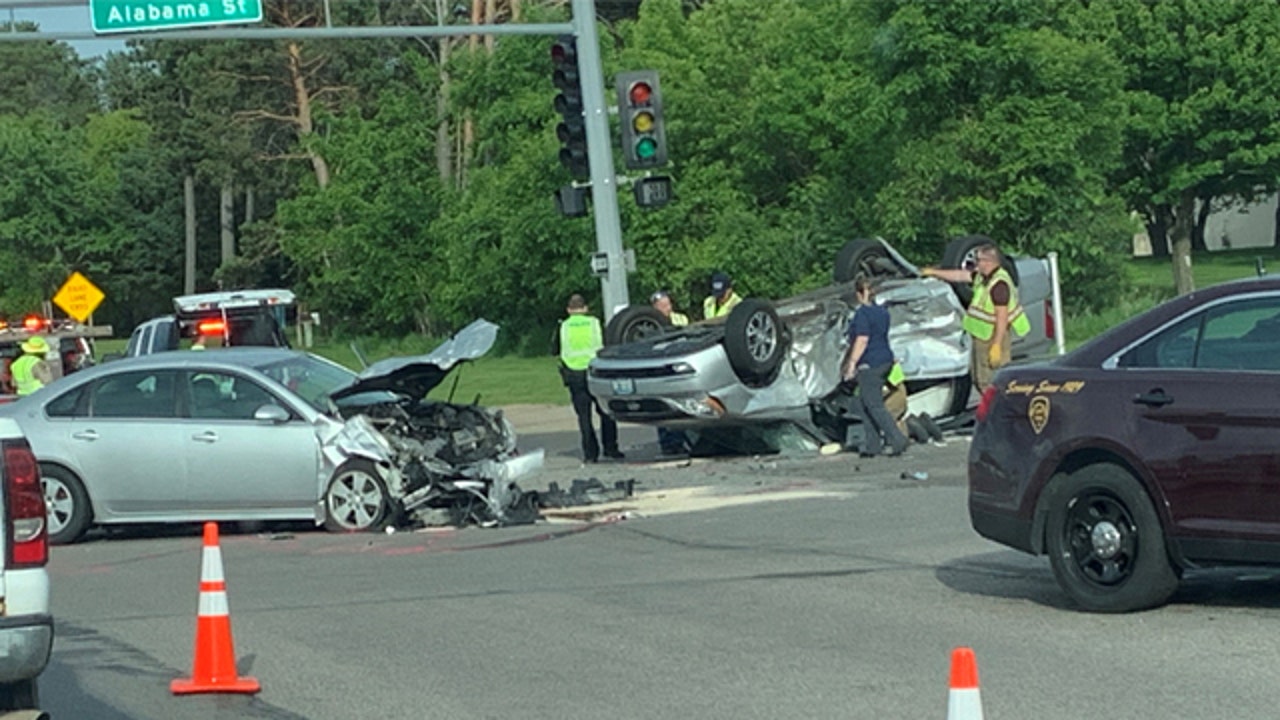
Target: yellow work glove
{"points": [[995, 358]]}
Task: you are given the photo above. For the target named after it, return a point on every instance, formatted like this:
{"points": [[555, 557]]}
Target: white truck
{"points": [[235, 317], [26, 626]]}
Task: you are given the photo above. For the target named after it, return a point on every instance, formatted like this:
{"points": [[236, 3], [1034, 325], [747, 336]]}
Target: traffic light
{"points": [[644, 136], [572, 130]]}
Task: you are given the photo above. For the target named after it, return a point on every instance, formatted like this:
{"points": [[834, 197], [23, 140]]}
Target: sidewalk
{"points": [[537, 419]]}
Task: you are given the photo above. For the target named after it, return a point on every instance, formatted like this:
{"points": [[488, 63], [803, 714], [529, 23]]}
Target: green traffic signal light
{"points": [[646, 148]]}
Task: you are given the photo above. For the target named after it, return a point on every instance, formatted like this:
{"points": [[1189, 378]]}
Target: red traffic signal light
{"points": [[644, 136]]}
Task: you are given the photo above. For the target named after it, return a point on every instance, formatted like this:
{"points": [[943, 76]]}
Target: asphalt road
{"points": [[844, 601]]}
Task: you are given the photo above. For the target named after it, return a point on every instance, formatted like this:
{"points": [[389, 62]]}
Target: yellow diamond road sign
{"points": [[78, 297]]}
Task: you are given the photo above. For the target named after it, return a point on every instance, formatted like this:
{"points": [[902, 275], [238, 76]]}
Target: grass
{"points": [[1152, 283], [518, 380]]}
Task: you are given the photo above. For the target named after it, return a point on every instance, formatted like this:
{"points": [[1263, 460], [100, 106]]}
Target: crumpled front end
{"points": [[445, 463]]}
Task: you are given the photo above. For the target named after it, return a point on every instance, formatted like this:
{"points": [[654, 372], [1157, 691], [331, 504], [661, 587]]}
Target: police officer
{"points": [[31, 372], [577, 340], [722, 297], [993, 311]]}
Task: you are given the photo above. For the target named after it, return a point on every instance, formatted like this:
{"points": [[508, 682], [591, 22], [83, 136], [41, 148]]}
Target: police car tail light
{"points": [[28, 541], [1050, 330], [984, 404]]}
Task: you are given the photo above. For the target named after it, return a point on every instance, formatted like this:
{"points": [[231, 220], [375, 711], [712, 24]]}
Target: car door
{"points": [[124, 446], [1205, 395], [242, 466]]}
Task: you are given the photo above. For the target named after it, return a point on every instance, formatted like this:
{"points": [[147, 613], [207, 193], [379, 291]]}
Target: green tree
{"points": [[1203, 110], [1007, 126]]}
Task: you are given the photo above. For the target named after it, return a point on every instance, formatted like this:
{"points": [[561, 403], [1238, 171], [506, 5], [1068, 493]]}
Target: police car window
{"points": [[141, 394], [1174, 347], [1242, 335]]}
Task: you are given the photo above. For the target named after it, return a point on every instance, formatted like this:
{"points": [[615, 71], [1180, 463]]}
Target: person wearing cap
{"points": [[722, 297], [31, 372], [661, 301], [577, 341]]}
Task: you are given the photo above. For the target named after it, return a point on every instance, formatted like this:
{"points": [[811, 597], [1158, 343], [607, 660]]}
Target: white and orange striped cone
{"points": [[214, 670], [964, 701]]}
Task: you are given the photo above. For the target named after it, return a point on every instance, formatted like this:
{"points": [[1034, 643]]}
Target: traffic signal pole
{"points": [[604, 184]]}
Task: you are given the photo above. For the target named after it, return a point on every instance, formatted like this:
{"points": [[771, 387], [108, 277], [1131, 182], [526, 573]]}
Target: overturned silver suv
{"points": [[779, 362]]}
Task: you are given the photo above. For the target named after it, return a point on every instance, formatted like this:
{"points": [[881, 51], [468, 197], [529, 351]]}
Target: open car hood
{"points": [[415, 376]]}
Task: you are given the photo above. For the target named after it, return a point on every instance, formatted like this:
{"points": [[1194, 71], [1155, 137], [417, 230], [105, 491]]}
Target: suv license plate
{"points": [[624, 386]]}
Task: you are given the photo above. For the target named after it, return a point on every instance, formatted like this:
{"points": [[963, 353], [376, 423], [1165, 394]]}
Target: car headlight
{"points": [[682, 368], [697, 407]]}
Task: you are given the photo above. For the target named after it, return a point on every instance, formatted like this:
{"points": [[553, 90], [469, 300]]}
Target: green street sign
{"points": [[113, 16]]}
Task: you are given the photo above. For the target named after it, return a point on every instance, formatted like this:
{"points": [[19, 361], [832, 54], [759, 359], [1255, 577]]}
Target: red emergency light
{"points": [[211, 327], [33, 322]]}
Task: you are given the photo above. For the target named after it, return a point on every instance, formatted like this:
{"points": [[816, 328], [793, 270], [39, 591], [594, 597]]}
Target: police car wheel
{"points": [[66, 505], [1105, 542], [356, 500]]}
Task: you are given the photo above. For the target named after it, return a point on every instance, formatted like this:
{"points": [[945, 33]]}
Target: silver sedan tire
{"points": [[356, 499], [66, 505]]}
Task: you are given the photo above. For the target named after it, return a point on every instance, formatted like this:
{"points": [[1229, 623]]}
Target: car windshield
{"points": [[309, 377]]}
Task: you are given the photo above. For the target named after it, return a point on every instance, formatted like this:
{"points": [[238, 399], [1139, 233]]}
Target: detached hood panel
{"points": [[417, 375]]}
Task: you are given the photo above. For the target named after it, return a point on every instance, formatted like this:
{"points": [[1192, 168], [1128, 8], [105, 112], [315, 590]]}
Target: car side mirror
{"points": [[269, 413]]}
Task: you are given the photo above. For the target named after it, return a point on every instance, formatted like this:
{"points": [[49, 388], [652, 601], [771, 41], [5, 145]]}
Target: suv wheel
{"points": [[755, 340], [1105, 542]]}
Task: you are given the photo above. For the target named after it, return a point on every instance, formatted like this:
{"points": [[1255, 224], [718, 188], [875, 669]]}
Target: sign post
{"points": [[110, 16]]}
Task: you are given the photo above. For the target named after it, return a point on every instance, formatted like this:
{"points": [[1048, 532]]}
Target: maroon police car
{"points": [[1151, 449]]}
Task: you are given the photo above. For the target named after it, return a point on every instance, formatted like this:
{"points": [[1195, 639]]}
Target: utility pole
{"points": [[604, 184]]}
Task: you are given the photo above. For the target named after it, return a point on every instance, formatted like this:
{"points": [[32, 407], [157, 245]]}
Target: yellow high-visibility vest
{"points": [[24, 377], [580, 338], [980, 318], [711, 310]]}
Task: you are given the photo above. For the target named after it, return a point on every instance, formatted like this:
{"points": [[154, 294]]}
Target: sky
{"points": [[66, 19]]}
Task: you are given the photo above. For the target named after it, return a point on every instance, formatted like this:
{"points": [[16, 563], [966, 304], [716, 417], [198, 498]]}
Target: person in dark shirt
{"points": [[869, 361]]}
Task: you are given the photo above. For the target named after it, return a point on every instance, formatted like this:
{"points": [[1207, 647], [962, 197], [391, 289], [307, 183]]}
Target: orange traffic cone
{"points": [[215, 664], [964, 701]]}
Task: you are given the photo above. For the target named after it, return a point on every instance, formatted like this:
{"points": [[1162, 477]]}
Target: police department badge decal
{"points": [[1038, 413]]}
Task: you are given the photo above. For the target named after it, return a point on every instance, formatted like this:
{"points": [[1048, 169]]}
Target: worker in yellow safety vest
{"points": [[576, 342], [992, 312], [722, 297], [31, 371]]}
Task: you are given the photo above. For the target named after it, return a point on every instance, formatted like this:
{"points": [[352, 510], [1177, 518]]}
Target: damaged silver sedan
{"points": [[779, 362], [259, 433]]}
